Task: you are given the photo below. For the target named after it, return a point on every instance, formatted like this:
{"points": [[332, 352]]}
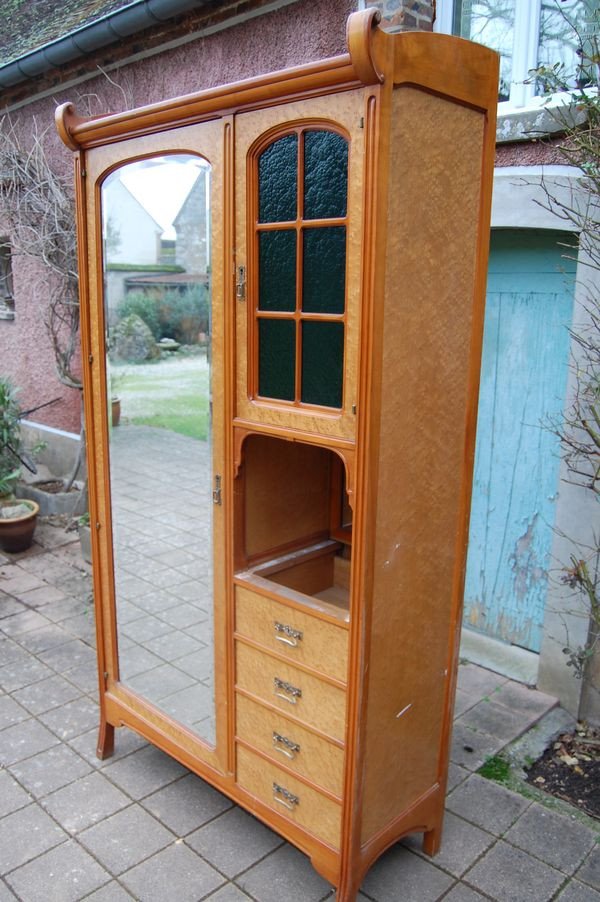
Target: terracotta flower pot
{"points": [[16, 533]]}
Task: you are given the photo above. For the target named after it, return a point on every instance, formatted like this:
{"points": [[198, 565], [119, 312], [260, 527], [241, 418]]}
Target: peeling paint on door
{"points": [[523, 381]]}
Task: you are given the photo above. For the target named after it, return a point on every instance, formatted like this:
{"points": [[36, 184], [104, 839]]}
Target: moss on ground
{"points": [[496, 768]]}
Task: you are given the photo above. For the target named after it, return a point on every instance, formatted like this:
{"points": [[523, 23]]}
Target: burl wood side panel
{"points": [[422, 471]]}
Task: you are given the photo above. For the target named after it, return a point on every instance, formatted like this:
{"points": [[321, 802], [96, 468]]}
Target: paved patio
{"points": [[163, 571], [140, 826]]}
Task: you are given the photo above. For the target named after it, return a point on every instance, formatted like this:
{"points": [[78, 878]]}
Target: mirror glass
{"points": [[156, 249]]}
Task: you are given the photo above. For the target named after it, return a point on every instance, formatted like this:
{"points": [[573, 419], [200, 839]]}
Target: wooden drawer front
{"points": [[298, 749], [299, 636], [289, 797], [294, 692]]}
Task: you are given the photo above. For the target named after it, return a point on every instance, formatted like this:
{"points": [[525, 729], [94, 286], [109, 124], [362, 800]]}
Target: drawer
{"points": [[297, 635], [296, 693], [297, 748], [289, 797]]}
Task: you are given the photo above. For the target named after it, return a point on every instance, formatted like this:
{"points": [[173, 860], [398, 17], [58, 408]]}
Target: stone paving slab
{"points": [[578, 892], [510, 875], [139, 826], [552, 838], [123, 840], [486, 804], [234, 842], [66, 873]]}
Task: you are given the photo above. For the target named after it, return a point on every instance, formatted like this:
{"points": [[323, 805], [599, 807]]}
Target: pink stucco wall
{"points": [[26, 354], [295, 34]]}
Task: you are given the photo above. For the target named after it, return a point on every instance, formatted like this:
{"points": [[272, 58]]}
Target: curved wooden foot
{"points": [[432, 841], [348, 889], [106, 740]]}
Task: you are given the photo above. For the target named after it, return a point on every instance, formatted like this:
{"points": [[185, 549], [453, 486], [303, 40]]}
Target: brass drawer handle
{"points": [[290, 635], [284, 797], [286, 691], [285, 746]]}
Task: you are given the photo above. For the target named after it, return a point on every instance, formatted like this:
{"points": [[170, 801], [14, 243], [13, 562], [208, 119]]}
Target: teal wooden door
{"points": [[523, 382]]}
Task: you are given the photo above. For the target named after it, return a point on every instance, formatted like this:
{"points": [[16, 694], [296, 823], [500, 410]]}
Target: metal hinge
{"points": [[217, 497], [240, 285]]}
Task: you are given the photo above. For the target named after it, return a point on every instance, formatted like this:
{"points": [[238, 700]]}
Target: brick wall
{"points": [[406, 15]]}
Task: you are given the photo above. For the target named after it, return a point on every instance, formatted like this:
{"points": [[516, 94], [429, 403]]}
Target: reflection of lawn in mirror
{"points": [[171, 393]]}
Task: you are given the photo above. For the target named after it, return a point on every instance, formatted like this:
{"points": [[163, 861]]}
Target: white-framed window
{"points": [[527, 34]]}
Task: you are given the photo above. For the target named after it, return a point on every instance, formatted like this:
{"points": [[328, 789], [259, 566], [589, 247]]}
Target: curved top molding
{"points": [[353, 69], [67, 120], [448, 66], [360, 38], [452, 67]]}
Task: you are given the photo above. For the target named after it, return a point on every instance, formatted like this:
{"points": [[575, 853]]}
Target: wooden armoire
{"points": [[283, 619]]}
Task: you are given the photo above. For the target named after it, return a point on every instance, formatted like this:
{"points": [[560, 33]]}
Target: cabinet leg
{"points": [[432, 841], [106, 740], [346, 891]]}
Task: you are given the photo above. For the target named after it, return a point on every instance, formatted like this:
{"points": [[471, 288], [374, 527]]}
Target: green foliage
{"points": [[183, 315], [180, 315], [10, 437], [191, 422], [172, 393], [495, 768], [143, 305]]}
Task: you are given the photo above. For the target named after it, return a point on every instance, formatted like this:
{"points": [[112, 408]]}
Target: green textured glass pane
{"points": [[325, 175], [322, 363], [324, 270], [276, 358], [277, 270], [278, 180]]}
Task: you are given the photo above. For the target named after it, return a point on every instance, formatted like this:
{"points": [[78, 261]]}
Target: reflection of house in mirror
{"points": [[132, 235], [191, 250]]}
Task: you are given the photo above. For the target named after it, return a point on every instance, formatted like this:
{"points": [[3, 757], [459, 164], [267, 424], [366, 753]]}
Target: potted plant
{"points": [[17, 516]]}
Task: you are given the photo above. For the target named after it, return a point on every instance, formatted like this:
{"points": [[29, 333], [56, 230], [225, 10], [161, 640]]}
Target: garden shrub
{"points": [[178, 315], [183, 315], [143, 305]]}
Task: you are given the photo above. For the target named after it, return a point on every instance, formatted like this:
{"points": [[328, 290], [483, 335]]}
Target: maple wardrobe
{"points": [[279, 556]]}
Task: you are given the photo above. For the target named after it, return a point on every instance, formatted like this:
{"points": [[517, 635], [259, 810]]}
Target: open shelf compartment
{"points": [[291, 510]]}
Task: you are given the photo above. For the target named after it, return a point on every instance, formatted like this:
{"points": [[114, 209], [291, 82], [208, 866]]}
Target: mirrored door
{"points": [[159, 334], [156, 244]]}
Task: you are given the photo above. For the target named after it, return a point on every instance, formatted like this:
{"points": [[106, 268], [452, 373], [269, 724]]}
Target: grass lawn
{"points": [[172, 393]]}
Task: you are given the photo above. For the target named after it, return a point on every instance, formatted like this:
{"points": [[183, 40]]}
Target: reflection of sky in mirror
{"points": [[161, 185]]}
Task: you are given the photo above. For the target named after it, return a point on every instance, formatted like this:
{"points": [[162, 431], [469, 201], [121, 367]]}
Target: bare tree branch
{"points": [[37, 206]]}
